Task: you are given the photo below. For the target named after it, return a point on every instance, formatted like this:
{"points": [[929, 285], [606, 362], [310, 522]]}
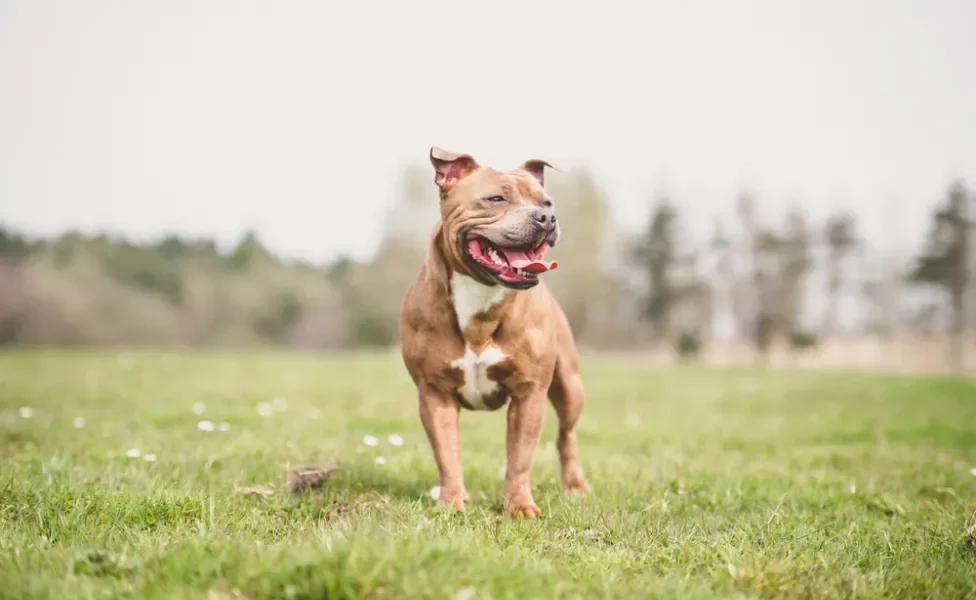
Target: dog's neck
{"points": [[477, 307], [472, 298]]}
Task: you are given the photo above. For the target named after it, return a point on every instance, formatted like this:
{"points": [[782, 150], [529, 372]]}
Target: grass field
{"points": [[707, 484]]}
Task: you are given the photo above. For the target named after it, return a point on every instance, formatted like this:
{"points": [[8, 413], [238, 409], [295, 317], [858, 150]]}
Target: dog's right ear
{"points": [[450, 167]]}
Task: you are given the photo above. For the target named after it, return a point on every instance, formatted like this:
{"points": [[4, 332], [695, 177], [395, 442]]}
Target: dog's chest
{"points": [[479, 391], [471, 298]]}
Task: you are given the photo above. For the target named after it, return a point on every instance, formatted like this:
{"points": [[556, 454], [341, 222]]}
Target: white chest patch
{"points": [[471, 297], [475, 368]]}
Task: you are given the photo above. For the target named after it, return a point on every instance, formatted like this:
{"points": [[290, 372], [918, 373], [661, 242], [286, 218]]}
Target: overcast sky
{"points": [[295, 118]]}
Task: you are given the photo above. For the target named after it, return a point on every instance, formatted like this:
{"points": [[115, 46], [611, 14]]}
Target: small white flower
{"points": [[199, 408], [279, 404], [265, 410], [205, 426], [395, 440], [26, 412], [853, 488], [132, 453], [370, 440], [78, 422], [435, 492], [467, 593], [223, 426], [380, 460], [149, 457], [972, 471]]}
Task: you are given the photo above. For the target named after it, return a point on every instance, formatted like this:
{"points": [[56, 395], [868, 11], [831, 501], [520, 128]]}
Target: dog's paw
{"points": [[576, 485], [521, 507], [524, 511], [457, 499]]}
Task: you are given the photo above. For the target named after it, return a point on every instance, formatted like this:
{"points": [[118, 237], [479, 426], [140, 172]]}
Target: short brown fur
{"points": [[527, 326]]}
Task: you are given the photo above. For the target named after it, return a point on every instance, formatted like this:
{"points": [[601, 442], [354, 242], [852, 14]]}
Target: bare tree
{"points": [[761, 248], [840, 235], [795, 264], [880, 291], [723, 274]]}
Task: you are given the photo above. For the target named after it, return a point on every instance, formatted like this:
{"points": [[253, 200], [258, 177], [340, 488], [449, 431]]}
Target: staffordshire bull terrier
{"points": [[479, 330]]}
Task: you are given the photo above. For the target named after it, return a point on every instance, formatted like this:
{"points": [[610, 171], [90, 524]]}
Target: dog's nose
{"points": [[545, 217]]}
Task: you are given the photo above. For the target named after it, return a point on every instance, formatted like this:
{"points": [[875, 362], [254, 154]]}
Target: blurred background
{"points": [[782, 183]]}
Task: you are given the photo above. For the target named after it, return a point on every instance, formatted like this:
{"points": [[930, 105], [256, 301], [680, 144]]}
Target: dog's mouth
{"points": [[515, 267]]}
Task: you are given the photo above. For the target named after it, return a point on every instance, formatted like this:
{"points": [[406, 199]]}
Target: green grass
{"points": [[707, 484]]}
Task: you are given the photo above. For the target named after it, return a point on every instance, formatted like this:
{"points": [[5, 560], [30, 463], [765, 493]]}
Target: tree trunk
{"points": [[957, 331], [829, 326]]}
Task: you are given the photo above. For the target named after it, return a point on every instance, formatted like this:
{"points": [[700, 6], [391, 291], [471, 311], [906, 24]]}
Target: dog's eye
{"points": [[547, 203], [495, 199]]}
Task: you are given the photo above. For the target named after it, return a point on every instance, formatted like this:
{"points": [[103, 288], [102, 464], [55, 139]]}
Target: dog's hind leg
{"points": [[566, 395]]}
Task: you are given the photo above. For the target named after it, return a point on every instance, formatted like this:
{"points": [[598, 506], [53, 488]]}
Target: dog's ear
{"points": [[450, 167], [537, 168]]}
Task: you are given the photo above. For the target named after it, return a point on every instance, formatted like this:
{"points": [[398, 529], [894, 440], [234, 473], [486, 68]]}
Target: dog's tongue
{"points": [[530, 262]]}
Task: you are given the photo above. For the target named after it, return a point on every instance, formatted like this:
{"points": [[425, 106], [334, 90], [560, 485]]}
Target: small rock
{"points": [[306, 478]]}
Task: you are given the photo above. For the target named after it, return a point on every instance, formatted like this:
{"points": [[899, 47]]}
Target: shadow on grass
{"points": [[350, 485], [403, 486]]}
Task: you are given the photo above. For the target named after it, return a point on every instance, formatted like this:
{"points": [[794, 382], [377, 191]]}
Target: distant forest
{"points": [[622, 291]]}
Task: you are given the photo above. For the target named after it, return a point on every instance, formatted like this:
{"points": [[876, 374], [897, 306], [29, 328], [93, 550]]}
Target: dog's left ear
{"points": [[450, 167], [537, 168]]}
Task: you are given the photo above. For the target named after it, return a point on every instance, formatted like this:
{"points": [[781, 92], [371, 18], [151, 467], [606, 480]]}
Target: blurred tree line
{"points": [[654, 287]]}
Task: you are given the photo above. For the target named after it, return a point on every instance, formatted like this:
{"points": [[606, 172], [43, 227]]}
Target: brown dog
{"points": [[478, 329]]}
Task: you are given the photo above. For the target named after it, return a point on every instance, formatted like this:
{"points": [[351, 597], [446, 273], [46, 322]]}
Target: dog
{"points": [[479, 330]]}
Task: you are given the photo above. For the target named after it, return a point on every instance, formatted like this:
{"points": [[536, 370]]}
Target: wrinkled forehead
{"points": [[513, 185]]}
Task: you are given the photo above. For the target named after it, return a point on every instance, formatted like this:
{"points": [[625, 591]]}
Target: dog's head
{"points": [[497, 225]]}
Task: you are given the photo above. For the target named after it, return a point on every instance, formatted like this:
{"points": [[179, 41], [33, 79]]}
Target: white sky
{"points": [[209, 117]]}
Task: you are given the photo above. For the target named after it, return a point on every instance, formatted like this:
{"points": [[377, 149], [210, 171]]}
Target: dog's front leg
{"points": [[525, 416], [440, 414]]}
